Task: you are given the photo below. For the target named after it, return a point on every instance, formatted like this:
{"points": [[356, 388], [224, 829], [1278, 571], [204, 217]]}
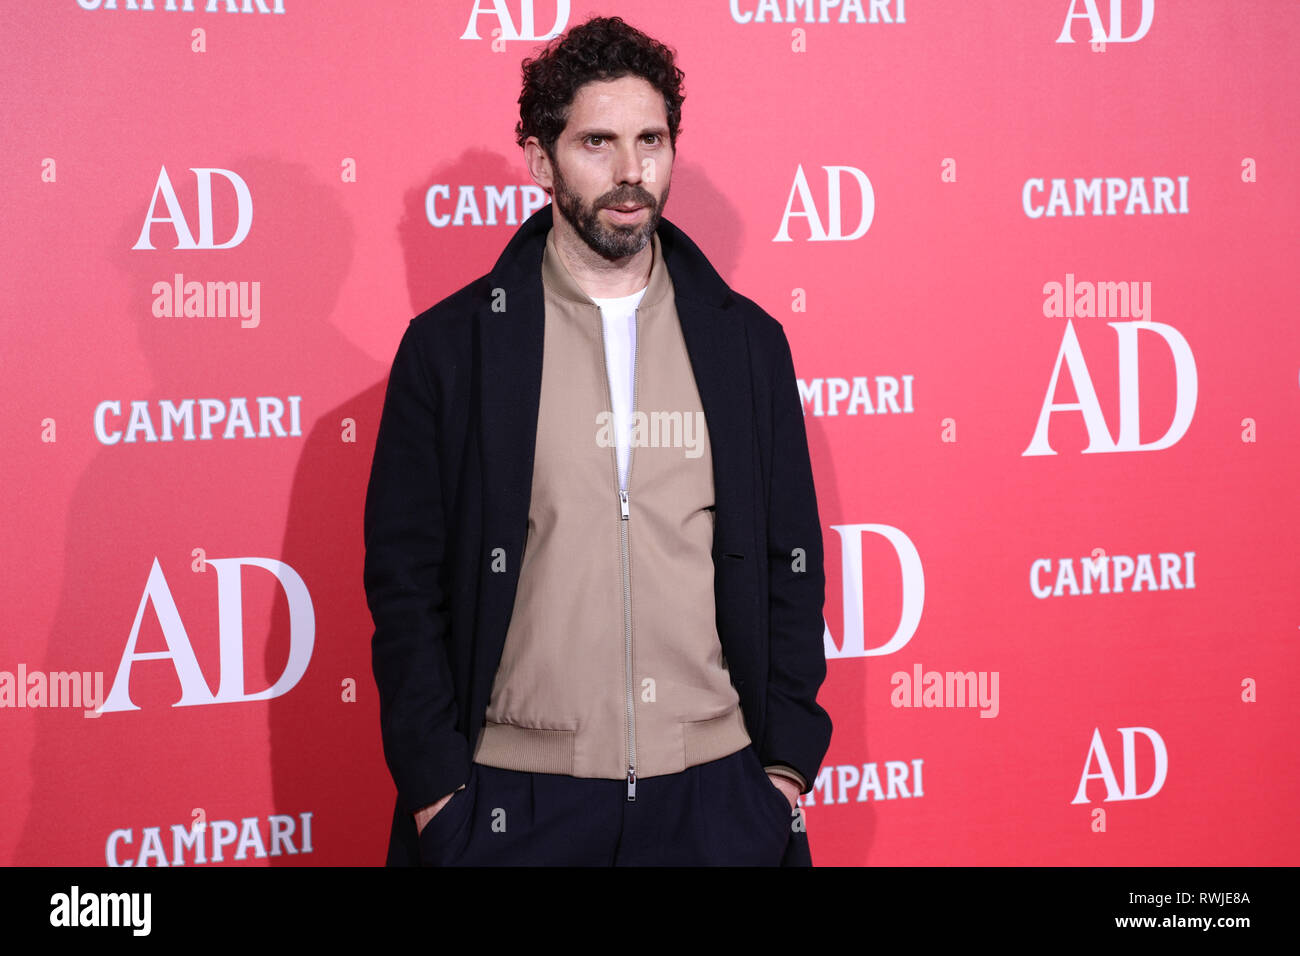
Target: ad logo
{"points": [[1099, 436], [230, 616], [854, 643], [506, 27], [176, 215], [1099, 33], [832, 230], [1128, 791]]}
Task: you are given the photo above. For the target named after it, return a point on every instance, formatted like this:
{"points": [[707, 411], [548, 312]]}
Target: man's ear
{"points": [[539, 164]]}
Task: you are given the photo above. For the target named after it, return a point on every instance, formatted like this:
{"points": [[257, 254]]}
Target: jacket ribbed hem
{"points": [[551, 751], [526, 748]]}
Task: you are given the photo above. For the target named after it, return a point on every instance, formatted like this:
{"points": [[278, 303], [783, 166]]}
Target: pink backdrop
{"points": [[347, 158]]}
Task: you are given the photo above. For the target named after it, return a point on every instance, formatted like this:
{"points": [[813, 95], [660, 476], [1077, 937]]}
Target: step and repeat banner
{"points": [[1035, 260]]}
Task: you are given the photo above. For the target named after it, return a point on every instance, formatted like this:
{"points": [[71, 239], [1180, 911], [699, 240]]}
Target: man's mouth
{"points": [[625, 213]]}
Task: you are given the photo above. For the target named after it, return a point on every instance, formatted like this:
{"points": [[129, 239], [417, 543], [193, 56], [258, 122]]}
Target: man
{"points": [[593, 553]]}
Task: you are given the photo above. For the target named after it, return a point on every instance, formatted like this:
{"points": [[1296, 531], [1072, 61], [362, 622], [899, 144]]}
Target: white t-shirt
{"points": [[619, 318]]}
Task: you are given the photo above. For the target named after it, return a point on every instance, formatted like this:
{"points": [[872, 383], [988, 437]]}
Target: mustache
{"points": [[628, 197]]}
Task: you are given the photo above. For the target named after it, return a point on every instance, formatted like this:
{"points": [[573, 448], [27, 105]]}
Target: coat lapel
{"points": [[716, 343], [510, 387]]}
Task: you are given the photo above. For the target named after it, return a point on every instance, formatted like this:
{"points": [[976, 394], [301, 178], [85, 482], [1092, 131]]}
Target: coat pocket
{"points": [[438, 835]]}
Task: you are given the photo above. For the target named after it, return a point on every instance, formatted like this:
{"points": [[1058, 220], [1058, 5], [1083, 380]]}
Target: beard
{"points": [[616, 241]]}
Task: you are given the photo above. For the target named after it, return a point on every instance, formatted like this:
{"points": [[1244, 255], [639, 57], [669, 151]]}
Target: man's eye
{"points": [[652, 137], [593, 140]]}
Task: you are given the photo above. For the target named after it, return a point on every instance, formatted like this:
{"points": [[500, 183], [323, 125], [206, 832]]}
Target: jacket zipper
{"points": [[624, 514]]}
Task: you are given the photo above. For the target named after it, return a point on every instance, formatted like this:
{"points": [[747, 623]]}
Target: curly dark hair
{"points": [[603, 48]]}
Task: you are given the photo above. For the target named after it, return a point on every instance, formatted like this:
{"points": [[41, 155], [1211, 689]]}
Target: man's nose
{"points": [[628, 167]]}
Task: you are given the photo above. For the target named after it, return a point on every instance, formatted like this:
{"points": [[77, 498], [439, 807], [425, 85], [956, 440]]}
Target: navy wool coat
{"points": [[451, 482]]}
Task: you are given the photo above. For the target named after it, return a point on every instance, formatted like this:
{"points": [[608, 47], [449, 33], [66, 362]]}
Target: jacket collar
{"points": [[557, 278], [520, 266]]}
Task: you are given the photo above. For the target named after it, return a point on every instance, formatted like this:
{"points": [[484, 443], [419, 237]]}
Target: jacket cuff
{"points": [[782, 770]]}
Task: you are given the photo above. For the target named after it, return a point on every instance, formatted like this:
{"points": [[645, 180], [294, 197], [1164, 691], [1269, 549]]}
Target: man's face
{"points": [[612, 165]]}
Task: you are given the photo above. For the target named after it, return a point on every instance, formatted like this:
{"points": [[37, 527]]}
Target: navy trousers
{"points": [[723, 813]]}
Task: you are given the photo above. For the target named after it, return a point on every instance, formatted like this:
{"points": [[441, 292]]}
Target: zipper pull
{"points": [[631, 785], [622, 502]]}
